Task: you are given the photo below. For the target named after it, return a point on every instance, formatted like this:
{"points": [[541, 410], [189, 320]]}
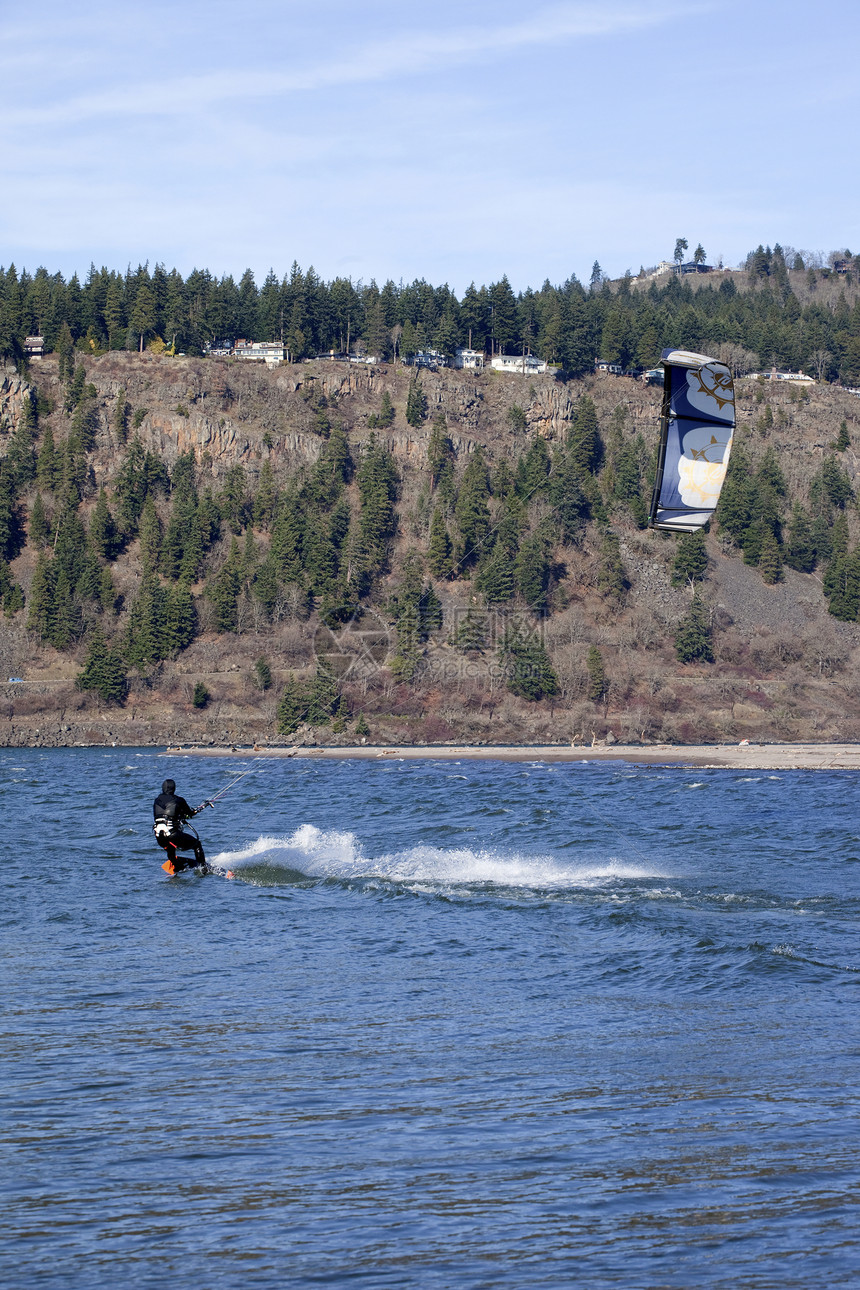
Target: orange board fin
{"points": [[169, 867]]}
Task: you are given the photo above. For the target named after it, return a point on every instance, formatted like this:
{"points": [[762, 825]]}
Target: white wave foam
{"points": [[318, 854]]}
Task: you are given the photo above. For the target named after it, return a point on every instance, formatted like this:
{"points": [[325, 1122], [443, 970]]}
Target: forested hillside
{"points": [[198, 548], [767, 314]]}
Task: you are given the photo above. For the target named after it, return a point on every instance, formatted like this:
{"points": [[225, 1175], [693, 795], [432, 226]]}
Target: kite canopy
{"points": [[696, 428]]}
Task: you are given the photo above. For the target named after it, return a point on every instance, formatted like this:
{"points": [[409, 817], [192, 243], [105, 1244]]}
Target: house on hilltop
{"points": [[270, 352], [520, 364], [472, 359]]}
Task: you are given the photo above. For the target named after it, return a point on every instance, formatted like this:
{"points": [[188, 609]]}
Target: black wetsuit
{"points": [[167, 806]]}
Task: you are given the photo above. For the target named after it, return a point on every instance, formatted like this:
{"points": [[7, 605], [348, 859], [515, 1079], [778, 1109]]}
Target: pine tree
{"points": [[801, 545], [102, 531], [362, 729], [262, 674], [179, 619], [265, 498], [292, 708], [597, 684], [146, 639], [385, 416], [439, 547], [11, 595], [693, 638], [611, 575], [530, 673], [377, 487], [584, 444], [201, 696], [21, 455], [440, 452], [41, 602], [844, 439], [472, 512], [150, 533], [430, 610], [416, 401], [104, 671], [691, 559], [38, 529], [531, 572], [107, 592], [470, 635], [770, 559], [224, 590], [495, 576]]}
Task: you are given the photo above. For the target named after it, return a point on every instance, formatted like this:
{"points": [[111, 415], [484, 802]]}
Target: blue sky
{"points": [[451, 141]]}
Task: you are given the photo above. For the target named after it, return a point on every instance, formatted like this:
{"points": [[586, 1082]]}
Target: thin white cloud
{"points": [[405, 55]]}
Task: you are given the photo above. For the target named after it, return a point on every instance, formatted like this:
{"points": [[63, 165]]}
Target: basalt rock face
{"points": [[229, 412]]}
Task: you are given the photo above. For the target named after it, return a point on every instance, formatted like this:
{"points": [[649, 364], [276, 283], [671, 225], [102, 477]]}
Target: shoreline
{"points": [[703, 756]]}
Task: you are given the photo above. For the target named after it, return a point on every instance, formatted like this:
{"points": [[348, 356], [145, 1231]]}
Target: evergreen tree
{"points": [[262, 674], [102, 530], [693, 638], [292, 708], [439, 548], [843, 440], [362, 729], [472, 512], [21, 455], [568, 497], [691, 559], [611, 575], [770, 559], [41, 603], [584, 447], [416, 401], [224, 590], [597, 684], [529, 670], [180, 619], [440, 452], [801, 545], [146, 639], [201, 696], [103, 671], [266, 497], [377, 487], [470, 636], [531, 572], [150, 532], [38, 527], [495, 576], [11, 595]]}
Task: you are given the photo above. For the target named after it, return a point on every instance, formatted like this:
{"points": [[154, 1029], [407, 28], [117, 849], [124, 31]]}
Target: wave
{"points": [[313, 853]]}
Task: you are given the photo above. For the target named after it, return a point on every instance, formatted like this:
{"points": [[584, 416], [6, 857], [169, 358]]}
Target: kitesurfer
{"points": [[170, 814]]}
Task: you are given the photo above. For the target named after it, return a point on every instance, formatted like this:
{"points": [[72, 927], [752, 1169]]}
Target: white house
{"points": [[469, 358], [519, 364], [603, 365], [270, 352]]}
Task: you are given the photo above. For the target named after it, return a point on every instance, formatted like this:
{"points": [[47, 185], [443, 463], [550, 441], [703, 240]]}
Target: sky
{"points": [[451, 141]]}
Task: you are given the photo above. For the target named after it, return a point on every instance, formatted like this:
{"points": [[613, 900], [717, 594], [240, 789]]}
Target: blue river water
{"points": [[451, 1025]]}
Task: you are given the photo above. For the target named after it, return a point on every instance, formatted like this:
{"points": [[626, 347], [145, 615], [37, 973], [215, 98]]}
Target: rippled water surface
{"points": [[465, 1024]]}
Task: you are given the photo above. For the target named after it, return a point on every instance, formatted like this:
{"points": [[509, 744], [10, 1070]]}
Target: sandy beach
{"points": [[715, 756]]}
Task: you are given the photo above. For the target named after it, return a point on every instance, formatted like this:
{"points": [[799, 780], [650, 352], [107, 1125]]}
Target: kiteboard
{"points": [[169, 868]]}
